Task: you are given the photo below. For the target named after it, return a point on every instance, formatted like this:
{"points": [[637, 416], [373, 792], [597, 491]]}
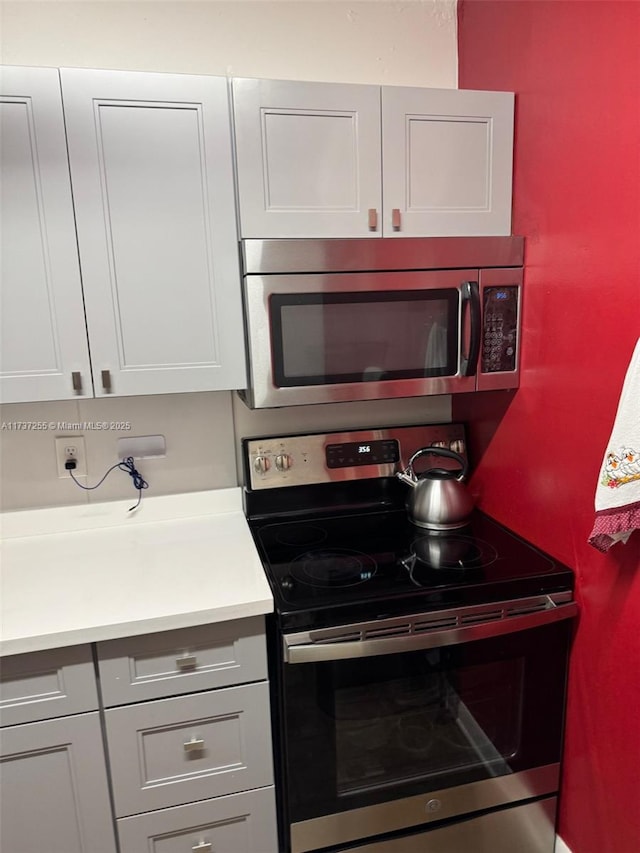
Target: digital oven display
{"points": [[351, 453]]}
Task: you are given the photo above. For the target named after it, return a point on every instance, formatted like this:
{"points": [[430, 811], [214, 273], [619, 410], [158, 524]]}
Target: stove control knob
{"points": [[283, 462], [439, 444], [261, 464], [457, 446]]}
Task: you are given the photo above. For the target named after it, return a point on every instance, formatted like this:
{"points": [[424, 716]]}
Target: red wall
{"points": [[575, 69]]}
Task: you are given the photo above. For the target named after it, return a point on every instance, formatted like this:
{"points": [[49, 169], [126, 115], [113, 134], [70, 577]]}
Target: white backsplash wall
{"points": [[198, 429]]}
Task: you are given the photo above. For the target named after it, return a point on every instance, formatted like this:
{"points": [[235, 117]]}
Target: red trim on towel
{"points": [[610, 521]]}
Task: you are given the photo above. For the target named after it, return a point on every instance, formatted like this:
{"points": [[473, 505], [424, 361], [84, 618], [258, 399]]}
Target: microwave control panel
{"points": [[500, 329]]}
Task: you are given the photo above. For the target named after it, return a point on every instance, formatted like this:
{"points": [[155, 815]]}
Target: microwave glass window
{"points": [[364, 337]]}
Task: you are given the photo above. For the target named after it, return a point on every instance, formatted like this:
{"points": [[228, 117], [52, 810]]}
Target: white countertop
{"points": [[80, 574]]}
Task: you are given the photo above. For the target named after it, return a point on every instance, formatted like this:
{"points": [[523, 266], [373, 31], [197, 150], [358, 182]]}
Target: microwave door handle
{"points": [[349, 649], [471, 294]]}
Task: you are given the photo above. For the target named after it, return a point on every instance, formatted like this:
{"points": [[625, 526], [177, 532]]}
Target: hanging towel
{"points": [[618, 489]]}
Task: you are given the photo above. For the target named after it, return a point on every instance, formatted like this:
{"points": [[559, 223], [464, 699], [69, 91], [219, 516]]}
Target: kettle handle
{"points": [[441, 451]]}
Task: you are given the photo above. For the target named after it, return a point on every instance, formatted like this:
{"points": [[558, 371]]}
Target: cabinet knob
{"points": [[395, 219], [76, 381], [202, 847], [106, 380], [373, 219], [196, 744], [186, 662]]}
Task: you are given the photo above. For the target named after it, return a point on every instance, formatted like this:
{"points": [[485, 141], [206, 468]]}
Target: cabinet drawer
{"points": [[182, 661], [189, 748], [42, 685], [242, 823]]}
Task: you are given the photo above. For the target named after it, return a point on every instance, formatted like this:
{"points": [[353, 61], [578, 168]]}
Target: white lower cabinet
{"points": [[55, 796], [238, 823], [188, 743], [189, 739]]}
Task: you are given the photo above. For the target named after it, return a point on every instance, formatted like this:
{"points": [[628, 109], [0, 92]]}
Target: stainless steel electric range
{"points": [[418, 678]]}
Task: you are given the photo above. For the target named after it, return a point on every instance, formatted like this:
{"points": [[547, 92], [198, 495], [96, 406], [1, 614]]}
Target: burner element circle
{"points": [[300, 535], [334, 567], [453, 552]]}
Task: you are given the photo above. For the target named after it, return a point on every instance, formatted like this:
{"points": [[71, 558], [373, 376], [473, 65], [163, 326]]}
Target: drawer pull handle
{"points": [[203, 847], [186, 662], [196, 744], [76, 381]]}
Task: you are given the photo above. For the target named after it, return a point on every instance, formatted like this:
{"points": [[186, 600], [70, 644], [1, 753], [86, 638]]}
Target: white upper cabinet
{"points": [[447, 162], [152, 175], [43, 339], [334, 160], [151, 257], [308, 158]]}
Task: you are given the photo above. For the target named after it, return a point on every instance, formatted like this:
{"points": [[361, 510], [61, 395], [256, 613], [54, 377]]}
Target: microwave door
{"points": [[319, 338]]}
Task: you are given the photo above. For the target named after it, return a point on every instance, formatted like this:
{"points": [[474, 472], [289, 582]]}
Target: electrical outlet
{"points": [[71, 447]]}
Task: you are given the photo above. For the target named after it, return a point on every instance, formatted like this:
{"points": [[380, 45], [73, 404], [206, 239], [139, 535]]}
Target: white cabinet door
{"points": [[43, 339], [152, 175], [54, 788], [447, 162], [308, 158]]}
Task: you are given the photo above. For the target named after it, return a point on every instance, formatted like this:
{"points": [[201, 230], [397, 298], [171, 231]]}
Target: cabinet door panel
{"points": [[42, 336], [152, 178], [54, 788], [308, 157], [447, 162]]}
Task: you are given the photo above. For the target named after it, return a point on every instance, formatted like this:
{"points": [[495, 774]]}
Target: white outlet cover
{"points": [[62, 445], [142, 446]]}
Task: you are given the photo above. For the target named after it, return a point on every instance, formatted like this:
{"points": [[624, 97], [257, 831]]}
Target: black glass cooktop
{"points": [[333, 569]]}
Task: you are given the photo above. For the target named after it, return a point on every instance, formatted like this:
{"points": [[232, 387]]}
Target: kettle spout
{"points": [[409, 479]]}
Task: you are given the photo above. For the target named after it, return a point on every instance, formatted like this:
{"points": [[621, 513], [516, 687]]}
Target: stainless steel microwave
{"points": [[331, 321]]}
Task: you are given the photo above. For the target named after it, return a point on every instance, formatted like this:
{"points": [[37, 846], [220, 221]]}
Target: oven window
{"points": [[321, 339], [367, 730], [428, 723]]}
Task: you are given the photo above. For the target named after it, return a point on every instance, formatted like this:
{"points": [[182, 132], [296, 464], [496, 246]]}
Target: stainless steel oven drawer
{"points": [[526, 829], [455, 803]]}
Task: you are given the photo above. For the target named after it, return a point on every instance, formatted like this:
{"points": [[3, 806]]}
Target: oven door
{"points": [[406, 728], [361, 336]]}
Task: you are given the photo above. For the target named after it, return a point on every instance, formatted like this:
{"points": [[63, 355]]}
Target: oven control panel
{"points": [[296, 460], [346, 454]]}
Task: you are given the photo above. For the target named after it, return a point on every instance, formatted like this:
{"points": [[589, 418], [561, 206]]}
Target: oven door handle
{"points": [[296, 650]]}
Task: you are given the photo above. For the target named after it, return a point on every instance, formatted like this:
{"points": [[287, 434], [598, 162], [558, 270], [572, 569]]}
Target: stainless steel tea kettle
{"points": [[438, 500]]}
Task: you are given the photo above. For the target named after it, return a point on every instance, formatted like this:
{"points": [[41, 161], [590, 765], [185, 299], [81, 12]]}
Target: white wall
{"points": [[407, 43], [403, 43]]}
